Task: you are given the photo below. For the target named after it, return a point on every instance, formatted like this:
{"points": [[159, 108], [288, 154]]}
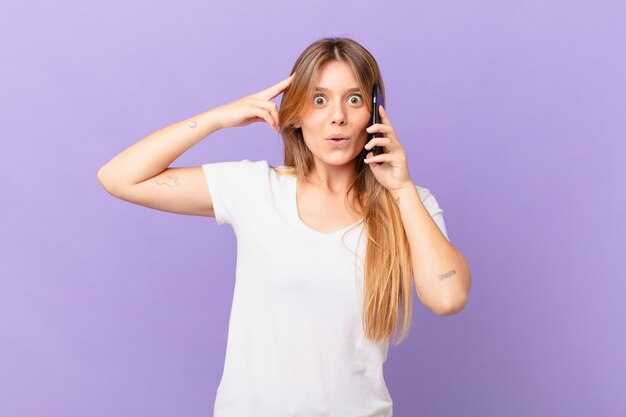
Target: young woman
{"points": [[328, 245]]}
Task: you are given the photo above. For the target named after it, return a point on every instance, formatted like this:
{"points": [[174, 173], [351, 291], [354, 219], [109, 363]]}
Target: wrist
{"points": [[406, 186], [211, 120]]}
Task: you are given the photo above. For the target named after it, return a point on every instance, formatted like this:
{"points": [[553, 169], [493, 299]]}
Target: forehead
{"points": [[335, 75]]}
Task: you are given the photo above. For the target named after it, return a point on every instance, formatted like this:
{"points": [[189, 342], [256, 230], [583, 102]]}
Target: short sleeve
{"points": [[431, 204], [232, 186]]}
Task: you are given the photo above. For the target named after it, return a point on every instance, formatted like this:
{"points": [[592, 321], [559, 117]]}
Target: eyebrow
{"points": [[347, 91]]}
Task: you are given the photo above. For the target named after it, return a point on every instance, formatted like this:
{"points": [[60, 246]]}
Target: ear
{"points": [[297, 124]]}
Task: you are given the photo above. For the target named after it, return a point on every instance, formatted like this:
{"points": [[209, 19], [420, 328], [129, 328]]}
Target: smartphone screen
{"points": [[377, 100]]}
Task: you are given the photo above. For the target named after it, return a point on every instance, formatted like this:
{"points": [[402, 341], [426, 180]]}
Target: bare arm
{"points": [[154, 153], [441, 273], [140, 174]]}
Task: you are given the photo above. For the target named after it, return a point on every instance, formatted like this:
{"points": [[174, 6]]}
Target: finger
{"points": [[265, 115], [383, 157], [378, 127], [383, 115], [385, 142], [271, 107], [273, 91]]}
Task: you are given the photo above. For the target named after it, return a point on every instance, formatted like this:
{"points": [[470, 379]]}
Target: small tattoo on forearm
{"points": [[446, 275], [193, 124], [173, 181]]}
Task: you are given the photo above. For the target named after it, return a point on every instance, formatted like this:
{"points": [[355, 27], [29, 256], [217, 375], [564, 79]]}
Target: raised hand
{"points": [[254, 108]]}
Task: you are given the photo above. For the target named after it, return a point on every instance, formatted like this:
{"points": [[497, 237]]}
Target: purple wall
{"points": [[511, 113]]}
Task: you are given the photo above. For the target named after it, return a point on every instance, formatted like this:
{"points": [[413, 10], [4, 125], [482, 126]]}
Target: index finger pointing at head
{"points": [[273, 91]]}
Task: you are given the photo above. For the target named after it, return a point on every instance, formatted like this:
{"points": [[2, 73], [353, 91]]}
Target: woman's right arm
{"points": [[140, 174]]}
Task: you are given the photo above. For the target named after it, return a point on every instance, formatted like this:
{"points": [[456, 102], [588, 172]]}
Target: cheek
{"points": [[315, 121], [365, 123], [366, 117], [308, 120]]}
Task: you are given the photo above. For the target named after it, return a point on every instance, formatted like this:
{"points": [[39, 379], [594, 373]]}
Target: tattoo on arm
{"points": [[446, 275], [172, 181], [193, 124]]}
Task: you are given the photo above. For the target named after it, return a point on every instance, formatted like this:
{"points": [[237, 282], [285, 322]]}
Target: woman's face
{"points": [[337, 108]]}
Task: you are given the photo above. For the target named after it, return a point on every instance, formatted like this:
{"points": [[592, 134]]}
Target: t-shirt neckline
{"points": [[302, 225]]}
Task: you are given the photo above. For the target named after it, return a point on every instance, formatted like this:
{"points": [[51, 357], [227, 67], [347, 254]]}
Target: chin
{"points": [[339, 160]]}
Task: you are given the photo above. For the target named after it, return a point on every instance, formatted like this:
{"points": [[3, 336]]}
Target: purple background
{"points": [[511, 113]]}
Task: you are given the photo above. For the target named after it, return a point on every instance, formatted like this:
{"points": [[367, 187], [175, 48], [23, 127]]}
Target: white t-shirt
{"points": [[296, 344]]}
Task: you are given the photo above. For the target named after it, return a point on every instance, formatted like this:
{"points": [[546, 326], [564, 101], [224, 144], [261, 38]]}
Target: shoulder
{"points": [[284, 170], [429, 200], [243, 165], [422, 191], [262, 166], [246, 170]]}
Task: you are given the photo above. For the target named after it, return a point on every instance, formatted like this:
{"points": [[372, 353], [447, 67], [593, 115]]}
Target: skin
{"points": [[335, 111]]}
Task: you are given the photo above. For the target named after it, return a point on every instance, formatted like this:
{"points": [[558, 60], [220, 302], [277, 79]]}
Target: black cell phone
{"points": [[377, 100]]}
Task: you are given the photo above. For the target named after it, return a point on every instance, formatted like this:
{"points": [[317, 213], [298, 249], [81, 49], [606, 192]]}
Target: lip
{"points": [[338, 135], [338, 143]]}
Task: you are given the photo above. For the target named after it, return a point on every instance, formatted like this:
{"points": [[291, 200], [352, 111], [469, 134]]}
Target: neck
{"points": [[331, 179]]}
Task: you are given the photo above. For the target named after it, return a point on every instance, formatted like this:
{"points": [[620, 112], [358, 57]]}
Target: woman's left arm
{"points": [[442, 276]]}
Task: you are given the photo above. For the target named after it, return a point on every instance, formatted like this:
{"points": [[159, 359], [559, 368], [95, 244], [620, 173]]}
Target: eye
{"points": [[318, 96], [356, 95], [315, 99]]}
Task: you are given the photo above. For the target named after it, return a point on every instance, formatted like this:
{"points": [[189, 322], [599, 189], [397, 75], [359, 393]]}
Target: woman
{"points": [[329, 244]]}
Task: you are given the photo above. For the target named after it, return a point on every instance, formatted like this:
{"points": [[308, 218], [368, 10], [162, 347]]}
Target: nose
{"points": [[338, 115]]}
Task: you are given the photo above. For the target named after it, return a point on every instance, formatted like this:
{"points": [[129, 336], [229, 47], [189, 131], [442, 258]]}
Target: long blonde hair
{"points": [[388, 282]]}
